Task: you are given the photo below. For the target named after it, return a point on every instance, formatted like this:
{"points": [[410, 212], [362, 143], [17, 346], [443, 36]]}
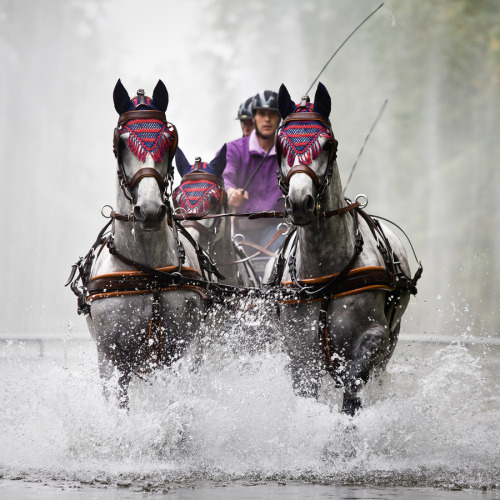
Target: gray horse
{"points": [[143, 312], [346, 276], [202, 192]]}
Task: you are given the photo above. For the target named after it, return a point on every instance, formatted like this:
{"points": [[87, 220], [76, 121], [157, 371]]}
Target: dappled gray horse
{"points": [[344, 277], [202, 192], [141, 308]]}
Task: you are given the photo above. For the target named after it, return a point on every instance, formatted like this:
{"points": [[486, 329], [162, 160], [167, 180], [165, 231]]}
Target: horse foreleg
{"points": [[366, 354], [108, 365]]}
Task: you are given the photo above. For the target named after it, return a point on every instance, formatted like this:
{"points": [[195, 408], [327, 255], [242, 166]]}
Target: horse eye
{"points": [[328, 145]]}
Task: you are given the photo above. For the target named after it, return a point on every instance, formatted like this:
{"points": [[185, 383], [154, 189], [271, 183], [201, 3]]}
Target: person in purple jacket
{"points": [[250, 174]]}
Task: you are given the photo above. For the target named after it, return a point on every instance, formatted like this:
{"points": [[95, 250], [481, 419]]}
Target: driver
{"points": [[250, 174]]}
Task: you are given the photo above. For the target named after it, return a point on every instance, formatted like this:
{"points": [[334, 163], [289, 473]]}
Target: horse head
{"points": [[201, 191], [144, 144], [306, 150]]}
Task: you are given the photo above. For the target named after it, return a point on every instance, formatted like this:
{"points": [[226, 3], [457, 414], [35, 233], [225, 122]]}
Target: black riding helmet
{"points": [[265, 99], [245, 110]]}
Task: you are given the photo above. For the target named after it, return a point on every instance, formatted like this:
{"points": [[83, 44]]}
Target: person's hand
{"points": [[235, 196]]}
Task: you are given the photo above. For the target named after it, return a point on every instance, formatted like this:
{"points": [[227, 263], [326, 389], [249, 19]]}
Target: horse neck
{"points": [[326, 246], [152, 248]]}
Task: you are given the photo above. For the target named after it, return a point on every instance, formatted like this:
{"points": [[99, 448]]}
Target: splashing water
{"points": [[431, 419]]}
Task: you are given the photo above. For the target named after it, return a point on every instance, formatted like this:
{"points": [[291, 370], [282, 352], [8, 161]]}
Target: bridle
{"points": [[198, 175], [128, 185], [284, 181]]}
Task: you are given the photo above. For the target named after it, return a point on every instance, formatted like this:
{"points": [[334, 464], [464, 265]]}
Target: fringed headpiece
{"points": [[201, 181], [300, 139], [148, 136], [193, 195]]}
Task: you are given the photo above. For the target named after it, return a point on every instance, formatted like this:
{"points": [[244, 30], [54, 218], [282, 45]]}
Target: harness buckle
{"points": [[111, 246]]}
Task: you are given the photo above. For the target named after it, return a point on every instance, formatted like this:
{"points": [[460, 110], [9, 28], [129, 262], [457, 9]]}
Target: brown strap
{"points": [[147, 172], [303, 169], [261, 249], [339, 211], [360, 276], [257, 247], [117, 216], [142, 114], [188, 272]]}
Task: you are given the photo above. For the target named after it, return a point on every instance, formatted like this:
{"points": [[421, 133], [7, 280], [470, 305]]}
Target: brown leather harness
{"points": [[349, 281], [145, 279]]}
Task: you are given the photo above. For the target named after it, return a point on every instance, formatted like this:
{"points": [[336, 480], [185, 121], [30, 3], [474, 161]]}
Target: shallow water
{"points": [[245, 491], [430, 421]]}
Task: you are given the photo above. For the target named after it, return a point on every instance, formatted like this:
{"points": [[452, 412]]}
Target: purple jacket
{"points": [[243, 157]]}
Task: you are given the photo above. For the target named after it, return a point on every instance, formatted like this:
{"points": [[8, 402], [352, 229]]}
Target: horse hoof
{"points": [[351, 405]]}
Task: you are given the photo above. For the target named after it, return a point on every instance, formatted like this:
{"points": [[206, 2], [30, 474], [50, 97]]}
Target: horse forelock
{"points": [[194, 195], [300, 139], [148, 136]]}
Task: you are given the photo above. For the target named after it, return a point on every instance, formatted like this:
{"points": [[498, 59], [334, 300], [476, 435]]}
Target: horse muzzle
{"points": [[300, 210], [150, 216]]}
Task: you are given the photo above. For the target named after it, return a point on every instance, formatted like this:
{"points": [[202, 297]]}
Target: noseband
{"points": [[127, 185], [306, 116]]}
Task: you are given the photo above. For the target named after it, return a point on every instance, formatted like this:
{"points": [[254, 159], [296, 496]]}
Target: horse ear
{"points": [[160, 96], [285, 103], [121, 98], [181, 162], [322, 101], [218, 164]]}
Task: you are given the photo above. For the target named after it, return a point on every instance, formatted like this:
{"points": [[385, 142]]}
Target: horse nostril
{"points": [[309, 203], [288, 205], [138, 215], [162, 212]]}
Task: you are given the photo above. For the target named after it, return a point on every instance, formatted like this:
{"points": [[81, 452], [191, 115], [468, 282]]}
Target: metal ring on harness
{"points": [[238, 235], [111, 210], [362, 205], [285, 225], [180, 211]]}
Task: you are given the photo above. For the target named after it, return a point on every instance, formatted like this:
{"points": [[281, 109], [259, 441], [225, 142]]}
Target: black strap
{"points": [[203, 259]]}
